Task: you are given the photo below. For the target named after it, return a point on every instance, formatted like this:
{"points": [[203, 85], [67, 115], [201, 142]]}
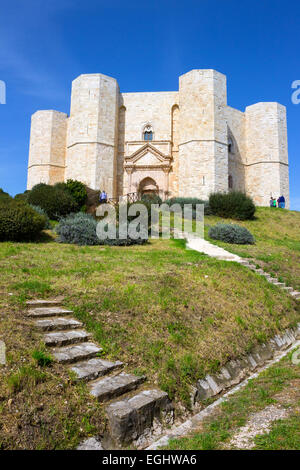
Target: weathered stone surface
{"points": [[78, 352], [295, 294], [203, 390], [90, 444], [60, 323], [128, 419], [93, 368], [66, 337], [288, 289], [43, 303], [208, 142], [110, 387], [48, 312]]}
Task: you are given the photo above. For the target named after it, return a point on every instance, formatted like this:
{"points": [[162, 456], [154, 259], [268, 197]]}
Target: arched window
{"points": [[230, 182], [148, 135], [148, 132], [230, 145]]}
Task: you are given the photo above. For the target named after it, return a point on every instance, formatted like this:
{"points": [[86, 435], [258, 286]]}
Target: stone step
{"points": [[75, 353], [94, 368], [289, 289], [259, 271], [132, 419], [279, 284], [63, 338], [295, 294], [48, 312], [272, 279], [92, 443], [114, 386], [43, 303], [59, 323]]}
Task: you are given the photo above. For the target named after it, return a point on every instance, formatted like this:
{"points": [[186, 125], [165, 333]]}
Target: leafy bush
{"points": [[19, 222], [22, 196], [235, 205], [190, 200], [4, 196], [78, 191], [80, 229], [41, 211], [231, 233], [151, 199], [55, 201]]}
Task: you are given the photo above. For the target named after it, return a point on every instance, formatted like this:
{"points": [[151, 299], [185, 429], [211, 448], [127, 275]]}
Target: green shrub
{"points": [[55, 201], [190, 200], [4, 196], [41, 211], [151, 199], [234, 205], [22, 196], [19, 222], [231, 233], [78, 192], [80, 229]]}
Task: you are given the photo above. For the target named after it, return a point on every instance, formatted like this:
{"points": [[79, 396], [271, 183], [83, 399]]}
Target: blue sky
{"points": [[44, 45]]}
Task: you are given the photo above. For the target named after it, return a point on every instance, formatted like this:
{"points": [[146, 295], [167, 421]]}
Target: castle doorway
{"points": [[148, 186]]}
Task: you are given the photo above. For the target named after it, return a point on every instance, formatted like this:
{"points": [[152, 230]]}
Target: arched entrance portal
{"points": [[148, 186]]}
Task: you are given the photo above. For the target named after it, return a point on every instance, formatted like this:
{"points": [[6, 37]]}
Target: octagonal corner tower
{"points": [[203, 148], [92, 132]]}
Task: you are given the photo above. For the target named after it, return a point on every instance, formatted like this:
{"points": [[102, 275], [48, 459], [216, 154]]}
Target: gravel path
{"points": [[259, 423]]}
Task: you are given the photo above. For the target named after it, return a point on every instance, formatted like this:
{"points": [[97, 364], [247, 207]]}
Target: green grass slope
{"points": [[170, 313]]}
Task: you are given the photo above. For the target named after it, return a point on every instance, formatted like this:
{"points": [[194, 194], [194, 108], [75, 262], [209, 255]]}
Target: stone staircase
{"points": [[134, 417], [203, 246]]}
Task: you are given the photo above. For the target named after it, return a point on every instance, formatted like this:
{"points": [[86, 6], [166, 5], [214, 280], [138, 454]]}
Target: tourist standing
{"points": [[103, 197]]}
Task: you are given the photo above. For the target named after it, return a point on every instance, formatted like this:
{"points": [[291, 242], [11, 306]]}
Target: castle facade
{"points": [[182, 143]]}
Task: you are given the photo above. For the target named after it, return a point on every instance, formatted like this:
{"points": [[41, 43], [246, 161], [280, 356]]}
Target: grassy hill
{"points": [[164, 311], [277, 248]]}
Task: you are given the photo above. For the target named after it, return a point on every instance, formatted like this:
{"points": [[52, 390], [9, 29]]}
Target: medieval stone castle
{"points": [[182, 143]]}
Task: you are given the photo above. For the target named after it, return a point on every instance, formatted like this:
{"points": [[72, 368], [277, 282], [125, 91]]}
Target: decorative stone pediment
{"points": [[147, 157]]}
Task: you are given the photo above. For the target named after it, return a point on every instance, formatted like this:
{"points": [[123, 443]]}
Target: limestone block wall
{"points": [[92, 137], [173, 175], [203, 152], [237, 157], [267, 153], [137, 110], [47, 148], [192, 128]]}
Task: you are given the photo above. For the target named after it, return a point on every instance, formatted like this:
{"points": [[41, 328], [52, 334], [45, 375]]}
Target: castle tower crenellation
{"points": [[188, 143]]}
